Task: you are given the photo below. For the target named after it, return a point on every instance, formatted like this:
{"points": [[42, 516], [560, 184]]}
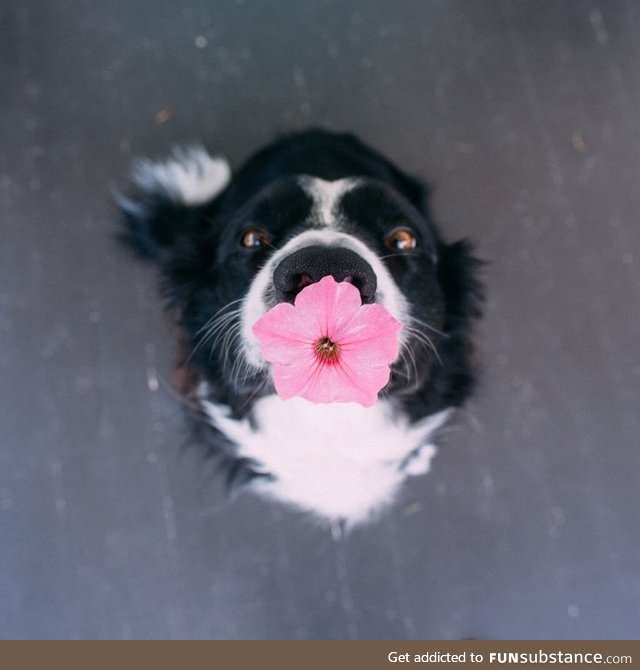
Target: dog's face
{"points": [[300, 229], [228, 255]]}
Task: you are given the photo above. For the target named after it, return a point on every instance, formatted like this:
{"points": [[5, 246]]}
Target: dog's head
{"points": [[230, 254]]}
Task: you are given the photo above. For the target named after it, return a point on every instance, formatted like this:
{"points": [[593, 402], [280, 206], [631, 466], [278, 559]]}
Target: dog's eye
{"points": [[401, 239], [254, 238]]}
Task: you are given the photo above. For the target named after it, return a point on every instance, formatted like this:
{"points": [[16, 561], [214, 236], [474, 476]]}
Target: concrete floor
{"points": [[524, 116]]}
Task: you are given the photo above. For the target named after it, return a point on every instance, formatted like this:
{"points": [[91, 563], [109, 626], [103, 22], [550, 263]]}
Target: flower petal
{"points": [[371, 338], [328, 304], [366, 380], [282, 334], [293, 378], [322, 383]]}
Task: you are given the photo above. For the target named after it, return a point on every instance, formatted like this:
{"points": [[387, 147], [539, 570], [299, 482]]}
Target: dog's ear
{"points": [[167, 200]]}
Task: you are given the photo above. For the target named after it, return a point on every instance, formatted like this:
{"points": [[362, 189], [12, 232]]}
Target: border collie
{"points": [[322, 204]]}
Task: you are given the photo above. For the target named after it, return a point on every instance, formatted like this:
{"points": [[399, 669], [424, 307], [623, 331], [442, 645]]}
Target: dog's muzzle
{"points": [[310, 264]]}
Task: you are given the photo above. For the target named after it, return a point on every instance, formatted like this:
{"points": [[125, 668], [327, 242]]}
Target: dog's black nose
{"points": [[311, 264]]}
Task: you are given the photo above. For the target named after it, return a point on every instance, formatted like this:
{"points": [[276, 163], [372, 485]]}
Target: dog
{"points": [[228, 249]]}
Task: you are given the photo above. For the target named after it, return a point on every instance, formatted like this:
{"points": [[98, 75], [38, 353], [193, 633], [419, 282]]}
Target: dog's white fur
{"points": [[341, 461], [191, 176]]}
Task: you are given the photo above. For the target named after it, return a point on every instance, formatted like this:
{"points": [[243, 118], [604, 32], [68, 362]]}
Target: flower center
{"points": [[326, 350]]}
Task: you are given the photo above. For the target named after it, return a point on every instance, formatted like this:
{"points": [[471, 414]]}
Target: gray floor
{"points": [[524, 116]]}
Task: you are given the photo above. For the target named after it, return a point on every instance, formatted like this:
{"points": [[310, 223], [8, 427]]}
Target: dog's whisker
{"points": [[226, 341], [216, 327], [411, 364], [426, 341], [221, 321], [234, 343], [219, 312], [404, 253], [213, 331], [428, 326], [243, 368], [215, 336]]}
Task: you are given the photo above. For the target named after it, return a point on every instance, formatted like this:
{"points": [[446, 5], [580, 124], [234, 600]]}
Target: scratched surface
{"points": [[524, 116]]}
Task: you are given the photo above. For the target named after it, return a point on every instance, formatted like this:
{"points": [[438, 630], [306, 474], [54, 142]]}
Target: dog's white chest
{"points": [[340, 461]]}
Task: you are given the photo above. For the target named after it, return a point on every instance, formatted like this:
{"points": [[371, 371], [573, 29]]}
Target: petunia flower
{"points": [[328, 346]]}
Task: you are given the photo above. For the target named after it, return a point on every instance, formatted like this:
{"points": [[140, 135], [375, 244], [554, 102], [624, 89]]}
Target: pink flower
{"points": [[328, 347]]}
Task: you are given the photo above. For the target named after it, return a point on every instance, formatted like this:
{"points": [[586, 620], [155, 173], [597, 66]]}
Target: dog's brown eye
{"points": [[254, 238], [401, 239]]}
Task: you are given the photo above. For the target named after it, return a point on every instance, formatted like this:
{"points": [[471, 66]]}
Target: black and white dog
{"points": [[309, 205]]}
